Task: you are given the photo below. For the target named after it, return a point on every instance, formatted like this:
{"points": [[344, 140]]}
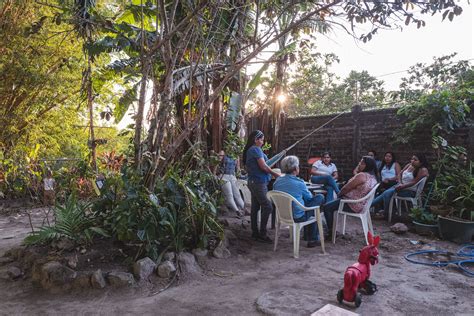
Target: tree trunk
{"points": [[139, 116], [90, 106]]}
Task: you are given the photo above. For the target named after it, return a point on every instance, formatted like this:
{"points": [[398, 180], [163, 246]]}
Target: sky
{"points": [[396, 50]]}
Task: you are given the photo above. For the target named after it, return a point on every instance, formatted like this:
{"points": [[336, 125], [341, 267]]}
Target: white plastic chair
{"points": [[244, 189], [364, 216], [416, 200], [284, 215]]}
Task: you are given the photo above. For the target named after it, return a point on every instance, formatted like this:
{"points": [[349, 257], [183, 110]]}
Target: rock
{"points": [[200, 255], [188, 263], [72, 262], [120, 279], [82, 281], [143, 268], [29, 258], [221, 252], [229, 237], [63, 244], [399, 228], [10, 273], [97, 280], [169, 256], [14, 272], [289, 302], [5, 260], [15, 253], [56, 275], [166, 269]]}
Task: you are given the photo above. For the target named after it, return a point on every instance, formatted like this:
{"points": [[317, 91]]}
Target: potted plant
{"points": [[454, 189], [425, 222]]}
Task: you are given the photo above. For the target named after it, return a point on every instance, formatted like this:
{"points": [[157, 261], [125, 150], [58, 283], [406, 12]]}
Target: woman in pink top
{"points": [[357, 187]]}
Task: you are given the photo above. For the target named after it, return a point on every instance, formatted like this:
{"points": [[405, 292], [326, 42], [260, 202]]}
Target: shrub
{"points": [[73, 221]]}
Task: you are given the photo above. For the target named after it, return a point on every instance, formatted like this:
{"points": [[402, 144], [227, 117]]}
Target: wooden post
{"points": [[356, 141]]}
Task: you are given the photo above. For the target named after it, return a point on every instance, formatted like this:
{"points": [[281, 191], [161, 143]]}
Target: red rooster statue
{"points": [[357, 275]]}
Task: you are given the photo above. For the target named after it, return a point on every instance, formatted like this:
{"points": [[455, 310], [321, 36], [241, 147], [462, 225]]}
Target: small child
{"points": [[49, 184]]}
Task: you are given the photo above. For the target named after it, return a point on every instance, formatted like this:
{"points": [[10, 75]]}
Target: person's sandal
{"points": [[239, 214]]}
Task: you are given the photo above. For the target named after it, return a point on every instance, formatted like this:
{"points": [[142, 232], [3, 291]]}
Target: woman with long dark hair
{"points": [[389, 171], [259, 175], [411, 174], [356, 188]]}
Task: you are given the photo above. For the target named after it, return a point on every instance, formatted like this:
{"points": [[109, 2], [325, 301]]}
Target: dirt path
{"points": [[232, 286]]}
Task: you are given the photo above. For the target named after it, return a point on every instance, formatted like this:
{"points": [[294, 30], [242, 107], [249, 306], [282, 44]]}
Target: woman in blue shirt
{"points": [[259, 175]]}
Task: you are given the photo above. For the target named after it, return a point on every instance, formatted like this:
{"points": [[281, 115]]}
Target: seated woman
{"points": [[325, 172], [411, 174], [389, 171], [296, 187], [227, 168], [356, 188]]}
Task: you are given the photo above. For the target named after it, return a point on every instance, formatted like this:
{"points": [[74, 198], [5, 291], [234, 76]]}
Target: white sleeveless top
{"points": [[407, 176], [388, 173]]}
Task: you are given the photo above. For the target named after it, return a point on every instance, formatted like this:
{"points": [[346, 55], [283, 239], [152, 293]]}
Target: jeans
{"points": [[386, 196], [311, 232], [329, 183], [259, 201], [231, 193], [331, 207]]}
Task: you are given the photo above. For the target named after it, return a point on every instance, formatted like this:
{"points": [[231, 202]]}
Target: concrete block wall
{"points": [[352, 135]]}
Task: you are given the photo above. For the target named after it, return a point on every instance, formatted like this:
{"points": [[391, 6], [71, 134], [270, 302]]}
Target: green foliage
{"points": [[73, 222], [454, 183], [40, 68], [180, 213], [420, 215], [20, 173], [440, 103], [233, 145], [439, 111]]}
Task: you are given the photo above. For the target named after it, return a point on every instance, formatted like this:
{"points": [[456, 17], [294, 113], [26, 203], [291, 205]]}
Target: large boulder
{"points": [[120, 279], [166, 269], [54, 275], [143, 268]]}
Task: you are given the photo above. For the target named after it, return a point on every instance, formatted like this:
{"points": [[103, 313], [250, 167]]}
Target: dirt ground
{"points": [[233, 286]]}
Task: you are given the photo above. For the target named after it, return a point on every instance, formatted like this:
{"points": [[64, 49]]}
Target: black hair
{"points": [[372, 151], [370, 165], [250, 142], [389, 166], [326, 153], [423, 163]]}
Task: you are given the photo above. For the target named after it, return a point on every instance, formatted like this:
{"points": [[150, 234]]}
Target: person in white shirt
{"points": [[325, 172], [411, 174], [389, 171]]}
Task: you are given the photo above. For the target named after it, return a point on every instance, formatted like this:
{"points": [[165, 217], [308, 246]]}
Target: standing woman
{"points": [[389, 171], [259, 175]]}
